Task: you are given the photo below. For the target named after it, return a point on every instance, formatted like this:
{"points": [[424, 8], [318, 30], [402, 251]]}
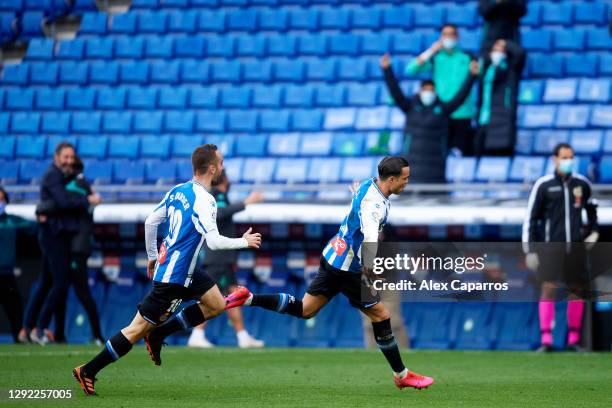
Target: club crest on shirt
{"points": [[577, 196], [339, 245]]}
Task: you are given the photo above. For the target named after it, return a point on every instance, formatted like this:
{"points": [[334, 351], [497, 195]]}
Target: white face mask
{"points": [[497, 57], [427, 97], [449, 43], [566, 166]]}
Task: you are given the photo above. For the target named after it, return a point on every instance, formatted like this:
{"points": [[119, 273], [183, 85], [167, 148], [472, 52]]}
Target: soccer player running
{"points": [[191, 213], [341, 268]]}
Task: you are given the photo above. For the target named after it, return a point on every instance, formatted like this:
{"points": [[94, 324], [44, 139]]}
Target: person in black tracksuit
{"points": [[501, 21], [554, 215], [427, 123]]}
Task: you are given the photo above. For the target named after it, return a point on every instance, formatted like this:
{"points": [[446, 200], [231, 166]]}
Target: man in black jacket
{"points": [[427, 123], [57, 231], [554, 215], [501, 75], [220, 265], [501, 21]]}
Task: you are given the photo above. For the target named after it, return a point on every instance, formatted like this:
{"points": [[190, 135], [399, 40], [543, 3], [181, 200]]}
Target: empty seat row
{"points": [[565, 116], [585, 142], [565, 90], [564, 39], [558, 65]]}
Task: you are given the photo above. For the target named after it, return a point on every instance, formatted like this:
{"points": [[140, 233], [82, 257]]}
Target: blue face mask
{"points": [[566, 166], [427, 97], [2, 207]]}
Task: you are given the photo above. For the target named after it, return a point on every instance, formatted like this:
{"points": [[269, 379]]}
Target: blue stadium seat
{"points": [[5, 118], [44, 73], [560, 90], [173, 97], [366, 18], [233, 168], [289, 70], [273, 20], [92, 146], [569, 40], [350, 69], [183, 21], [50, 98], [460, 169], [141, 98], [316, 144], [283, 45], [220, 46], [257, 71], [40, 49], [203, 97], [339, 118], [209, 20], [80, 98], [357, 169], [526, 169], [538, 39], [605, 64], [267, 96], [344, 44], [123, 147], [607, 143], [211, 121], [31, 171], [599, 39], [99, 48], [590, 12], [111, 98], [93, 23], [86, 122], [291, 170], [605, 169], [307, 120], [8, 25], [546, 140], [129, 47], [155, 147], [493, 169], [128, 171], [56, 122], [25, 122], [226, 71], [7, 148], [73, 73], [429, 16], [398, 17], [556, 14], [71, 49], [321, 70], [284, 144], [79, 6], [179, 121], [524, 141], [124, 23], [538, 116], [334, 19], [32, 147], [594, 90], [189, 47], [297, 96], [274, 120], [235, 97], [101, 72], [407, 43], [258, 170], [242, 121], [147, 4], [242, 20], [15, 74], [117, 122], [462, 15], [148, 122], [183, 146], [348, 144], [20, 99], [587, 141], [375, 43], [584, 64], [601, 116], [31, 25], [572, 116], [530, 91], [251, 145], [9, 171], [54, 140], [165, 72], [160, 172], [251, 45], [153, 22], [135, 72], [373, 118], [193, 71], [225, 143], [304, 19], [363, 95], [324, 170], [330, 95]]}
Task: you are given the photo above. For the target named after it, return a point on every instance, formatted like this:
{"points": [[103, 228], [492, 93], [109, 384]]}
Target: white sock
{"points": [[403, 374], [196, 332], [242, 334], [249, 300]]}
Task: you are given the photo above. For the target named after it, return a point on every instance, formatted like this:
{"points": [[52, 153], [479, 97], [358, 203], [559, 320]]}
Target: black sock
{"points": [[386, 343], [279, 302], [188, 317], [115, 348]]}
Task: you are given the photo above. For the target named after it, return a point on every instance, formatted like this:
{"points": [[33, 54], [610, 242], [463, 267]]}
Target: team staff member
{"points": [[554, 214], [501, 21], [220, 265]]}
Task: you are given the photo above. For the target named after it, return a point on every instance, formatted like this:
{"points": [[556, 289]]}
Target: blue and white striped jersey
{"points": [[367, 217]]}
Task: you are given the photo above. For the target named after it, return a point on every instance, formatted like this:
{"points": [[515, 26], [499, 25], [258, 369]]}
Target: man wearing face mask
{"points": [[449, 66], [501, 74], [427, 122], [554, 214]]}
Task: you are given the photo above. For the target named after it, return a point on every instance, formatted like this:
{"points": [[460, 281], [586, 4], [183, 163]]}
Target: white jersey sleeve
{"points": [[157, 217], [371, 215]]}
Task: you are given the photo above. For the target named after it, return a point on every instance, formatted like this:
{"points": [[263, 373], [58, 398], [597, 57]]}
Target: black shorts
{"points": [[224, 275], [331, 281], [570, 268], [164, 298]]}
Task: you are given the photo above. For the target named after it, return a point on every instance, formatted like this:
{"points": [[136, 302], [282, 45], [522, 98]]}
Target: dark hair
{"points": [[63, 145], [221, 179], [391, 166], [5, 194], [428, 82], [78, 165], [560, 146], [454, 27], [202, 157]]}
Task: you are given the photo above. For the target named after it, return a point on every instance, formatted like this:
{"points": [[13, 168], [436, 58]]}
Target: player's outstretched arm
{"points": [[216, 241]]}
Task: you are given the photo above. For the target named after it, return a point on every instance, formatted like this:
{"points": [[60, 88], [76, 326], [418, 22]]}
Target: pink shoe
{"points": [[413, 380], [237, 297]]}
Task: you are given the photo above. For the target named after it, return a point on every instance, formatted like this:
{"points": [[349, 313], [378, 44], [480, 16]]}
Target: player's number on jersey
{"points": [[175, 222]]}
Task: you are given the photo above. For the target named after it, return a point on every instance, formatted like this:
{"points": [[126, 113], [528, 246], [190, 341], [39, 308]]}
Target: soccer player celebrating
{"points": [[341, 267], [191, 213]]}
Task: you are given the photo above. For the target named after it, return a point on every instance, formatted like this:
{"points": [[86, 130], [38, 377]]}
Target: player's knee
{"points": [[309, 314], [379, 314], [213, 308]]}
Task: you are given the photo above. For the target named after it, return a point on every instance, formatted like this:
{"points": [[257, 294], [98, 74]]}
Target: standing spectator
{"points": [[9, 292], [427, 123], [499, 99], [58, 230], [449, 66], [221, 265], [501, 21], [554, 215]]}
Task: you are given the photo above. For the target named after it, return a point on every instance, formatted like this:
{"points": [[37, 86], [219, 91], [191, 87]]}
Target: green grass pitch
{"points": [[224, 377]]}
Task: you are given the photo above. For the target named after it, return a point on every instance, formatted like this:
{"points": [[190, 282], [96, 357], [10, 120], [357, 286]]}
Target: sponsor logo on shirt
{"points": [[163, 253], [577, 196], [339, 245]]}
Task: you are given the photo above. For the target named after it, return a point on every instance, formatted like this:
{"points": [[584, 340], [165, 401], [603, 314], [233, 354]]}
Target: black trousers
{"points": [[78, 279], [481, 150], [461, 136], [11, 301]]}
